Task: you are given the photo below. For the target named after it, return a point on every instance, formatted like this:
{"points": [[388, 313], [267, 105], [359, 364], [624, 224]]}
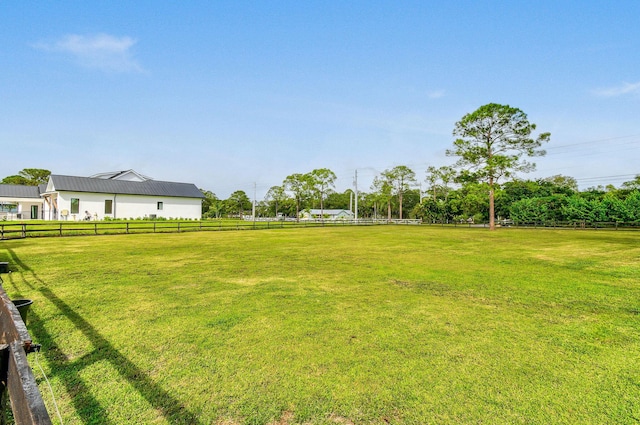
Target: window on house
{"points": [[75, 206], [8, 208], [108, 206], [160, 205]]}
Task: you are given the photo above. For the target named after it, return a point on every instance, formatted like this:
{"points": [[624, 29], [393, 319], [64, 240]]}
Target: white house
{"points": [[19, 202], [119, 195], [313, 214]]}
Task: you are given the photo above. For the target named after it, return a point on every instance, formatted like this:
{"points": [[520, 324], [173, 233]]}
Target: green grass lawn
{"points": [[354, 325]]}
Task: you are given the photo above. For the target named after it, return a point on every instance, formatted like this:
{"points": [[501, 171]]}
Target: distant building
{"points": [[314, 214]]}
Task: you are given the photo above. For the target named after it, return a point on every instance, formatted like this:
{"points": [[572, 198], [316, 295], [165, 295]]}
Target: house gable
{"points": [[127, 175]]}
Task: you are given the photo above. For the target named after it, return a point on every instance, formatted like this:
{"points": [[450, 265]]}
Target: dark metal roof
{"points": [[149, 187], [19, 191]]}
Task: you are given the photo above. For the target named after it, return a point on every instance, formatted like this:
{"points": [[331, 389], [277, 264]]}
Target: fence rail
{"points": [[581, 224], [546, 224], [10, 230]]}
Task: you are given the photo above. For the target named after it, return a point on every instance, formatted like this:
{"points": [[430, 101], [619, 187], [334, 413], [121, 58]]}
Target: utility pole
{"points": [[253, 211], [355, 183]]}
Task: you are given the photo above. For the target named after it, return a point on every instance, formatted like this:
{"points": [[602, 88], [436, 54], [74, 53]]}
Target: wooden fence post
{"points": [[4, 370], [16, 377]]}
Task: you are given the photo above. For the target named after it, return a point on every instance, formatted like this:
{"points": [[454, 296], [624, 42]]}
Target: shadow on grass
{"points": [[87, 406]]}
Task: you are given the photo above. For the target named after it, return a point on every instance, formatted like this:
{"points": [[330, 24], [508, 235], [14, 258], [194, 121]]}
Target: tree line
{"points": [[551, 199], [492, 147]]}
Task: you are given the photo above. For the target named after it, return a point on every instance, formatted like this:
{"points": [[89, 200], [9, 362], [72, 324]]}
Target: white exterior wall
{"points": [[24, 209], [138, 206], [127, 206]]}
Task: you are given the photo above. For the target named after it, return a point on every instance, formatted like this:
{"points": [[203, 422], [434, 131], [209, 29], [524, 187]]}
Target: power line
{"points": [[592, 153], [612, 145], [616, 177], [595, 141]]}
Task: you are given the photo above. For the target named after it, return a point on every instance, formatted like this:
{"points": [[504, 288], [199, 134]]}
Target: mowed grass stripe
{"points": [[382, 324]]}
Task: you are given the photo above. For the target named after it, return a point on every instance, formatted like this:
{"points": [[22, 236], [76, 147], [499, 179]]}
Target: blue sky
{"points": [[228, 94]]}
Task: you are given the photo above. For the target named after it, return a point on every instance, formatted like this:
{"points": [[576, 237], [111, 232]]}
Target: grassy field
{"points": [[371, 325]]}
